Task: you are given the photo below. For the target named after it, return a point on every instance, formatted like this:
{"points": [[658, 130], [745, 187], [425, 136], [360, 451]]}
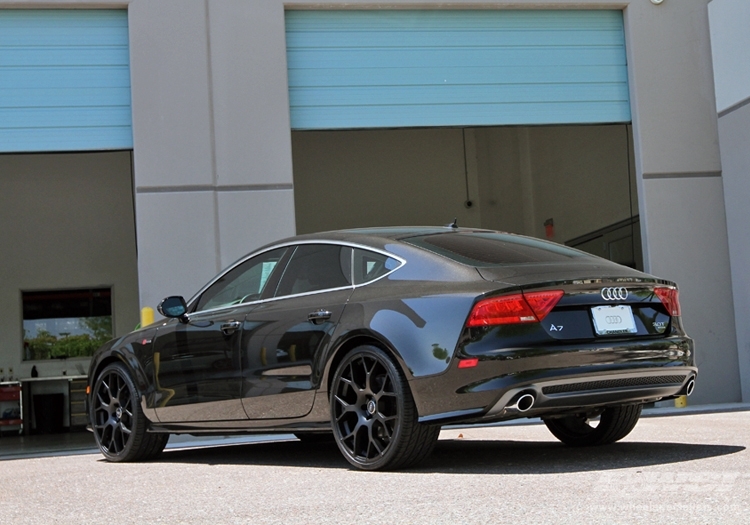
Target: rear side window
{"points": [[494, 249], [315, 267], [368, 266]]}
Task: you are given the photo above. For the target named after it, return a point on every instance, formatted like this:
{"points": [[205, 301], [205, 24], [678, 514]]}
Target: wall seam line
{"points": [[682, 175], [212, 134], [210, 187]]}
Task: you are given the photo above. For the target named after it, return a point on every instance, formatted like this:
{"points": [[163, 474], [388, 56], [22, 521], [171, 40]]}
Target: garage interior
{"points": [[68, 224], [574, 185]]}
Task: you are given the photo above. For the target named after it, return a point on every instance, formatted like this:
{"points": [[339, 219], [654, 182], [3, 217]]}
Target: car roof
{"points": [[379, 236]]}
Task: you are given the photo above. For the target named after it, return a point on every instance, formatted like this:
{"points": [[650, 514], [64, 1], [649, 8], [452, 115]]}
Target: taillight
{"points": [[543, 302], [530, 307], [670, 298]]}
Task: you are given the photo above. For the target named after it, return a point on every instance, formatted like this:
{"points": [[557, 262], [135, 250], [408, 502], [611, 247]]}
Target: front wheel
{"points": [[373, 414], [579, 431], [119, 424]]}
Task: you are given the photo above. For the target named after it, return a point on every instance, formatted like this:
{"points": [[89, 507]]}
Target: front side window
{"points": [[315, 267], [242, 284]]}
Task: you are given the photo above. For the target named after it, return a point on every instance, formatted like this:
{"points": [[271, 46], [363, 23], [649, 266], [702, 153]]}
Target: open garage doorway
{"points": [[516, 120], [571, 184]]}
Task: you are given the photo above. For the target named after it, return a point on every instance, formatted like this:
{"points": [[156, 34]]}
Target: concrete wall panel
{"points": [[734, 133], [176, 244], [672, 92], [170, 92], [250, 219], [687, 226], [249, 83], [730, 47], [207, 114]]}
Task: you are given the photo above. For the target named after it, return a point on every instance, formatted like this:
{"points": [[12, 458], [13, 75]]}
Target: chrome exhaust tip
{"points": [[690, 386], [523, 403]]}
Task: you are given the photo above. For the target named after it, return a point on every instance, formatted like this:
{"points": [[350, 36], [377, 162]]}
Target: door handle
{"points": [[319, 316], [230, 327]]}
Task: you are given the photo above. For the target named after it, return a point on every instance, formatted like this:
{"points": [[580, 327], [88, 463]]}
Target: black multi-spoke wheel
{"points": [[373, 414], [118, 422], [579, 430]]}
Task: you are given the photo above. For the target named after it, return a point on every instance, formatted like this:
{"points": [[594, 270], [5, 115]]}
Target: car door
{"points": [[197, 361], [283, 338]]}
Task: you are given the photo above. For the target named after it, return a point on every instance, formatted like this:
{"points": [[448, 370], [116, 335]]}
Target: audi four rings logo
{"points": [[614, 293], [613, 319]]}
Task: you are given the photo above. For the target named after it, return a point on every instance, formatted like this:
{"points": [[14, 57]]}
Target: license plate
{"points": [[611, 320]]}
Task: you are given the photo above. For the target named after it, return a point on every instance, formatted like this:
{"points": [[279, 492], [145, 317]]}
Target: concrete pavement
{"points": [[688, 469]]}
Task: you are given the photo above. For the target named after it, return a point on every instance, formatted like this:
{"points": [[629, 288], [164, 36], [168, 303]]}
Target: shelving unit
{"points": [[72, 390], [11, 406], [77, 404]]}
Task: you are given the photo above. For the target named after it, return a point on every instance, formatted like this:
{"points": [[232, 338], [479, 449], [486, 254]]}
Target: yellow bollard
{"points": [[147, 316], [680, 402]]}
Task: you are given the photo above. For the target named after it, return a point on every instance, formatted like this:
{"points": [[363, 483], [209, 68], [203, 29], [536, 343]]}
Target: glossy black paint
{"points": [[200, 374], [266, 364], [281, 352]]}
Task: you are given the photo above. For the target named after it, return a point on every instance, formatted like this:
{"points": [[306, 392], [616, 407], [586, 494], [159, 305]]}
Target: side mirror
{"points": [[173, 307]]}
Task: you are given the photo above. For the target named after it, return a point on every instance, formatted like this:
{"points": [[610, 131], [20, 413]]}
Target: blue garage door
{"points": [[64, 80], [375, 69]]}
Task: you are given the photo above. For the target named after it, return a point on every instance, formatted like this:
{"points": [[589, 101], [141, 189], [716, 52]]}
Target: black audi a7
{"points": [[374, 338]]}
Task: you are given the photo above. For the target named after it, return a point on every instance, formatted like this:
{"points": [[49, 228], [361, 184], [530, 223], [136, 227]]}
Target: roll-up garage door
{"points": [[64, 80], [377, 69]]}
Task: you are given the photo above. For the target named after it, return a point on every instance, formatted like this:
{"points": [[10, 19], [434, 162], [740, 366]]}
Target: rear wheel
{"points": [[579, 431], [373, 414], [118, 422]]}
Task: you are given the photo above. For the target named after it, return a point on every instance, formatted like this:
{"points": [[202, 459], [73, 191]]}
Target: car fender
{"points": [[134, 351], [421, 332]]}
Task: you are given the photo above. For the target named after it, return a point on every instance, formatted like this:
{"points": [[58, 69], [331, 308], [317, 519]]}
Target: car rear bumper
{"points": [[557, 380], [589, 392]]}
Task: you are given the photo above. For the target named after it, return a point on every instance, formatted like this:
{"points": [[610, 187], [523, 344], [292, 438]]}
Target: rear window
{"points": [[494, 249]]}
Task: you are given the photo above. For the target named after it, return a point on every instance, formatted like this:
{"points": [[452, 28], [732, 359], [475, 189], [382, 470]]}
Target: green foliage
{"points": [[440, 353], [99, 327], [40, 347], [48, 346]]}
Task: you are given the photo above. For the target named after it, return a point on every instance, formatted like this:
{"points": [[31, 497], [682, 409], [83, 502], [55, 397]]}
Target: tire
{"points": [[117, 419], [615, 423], [373, 415]]}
